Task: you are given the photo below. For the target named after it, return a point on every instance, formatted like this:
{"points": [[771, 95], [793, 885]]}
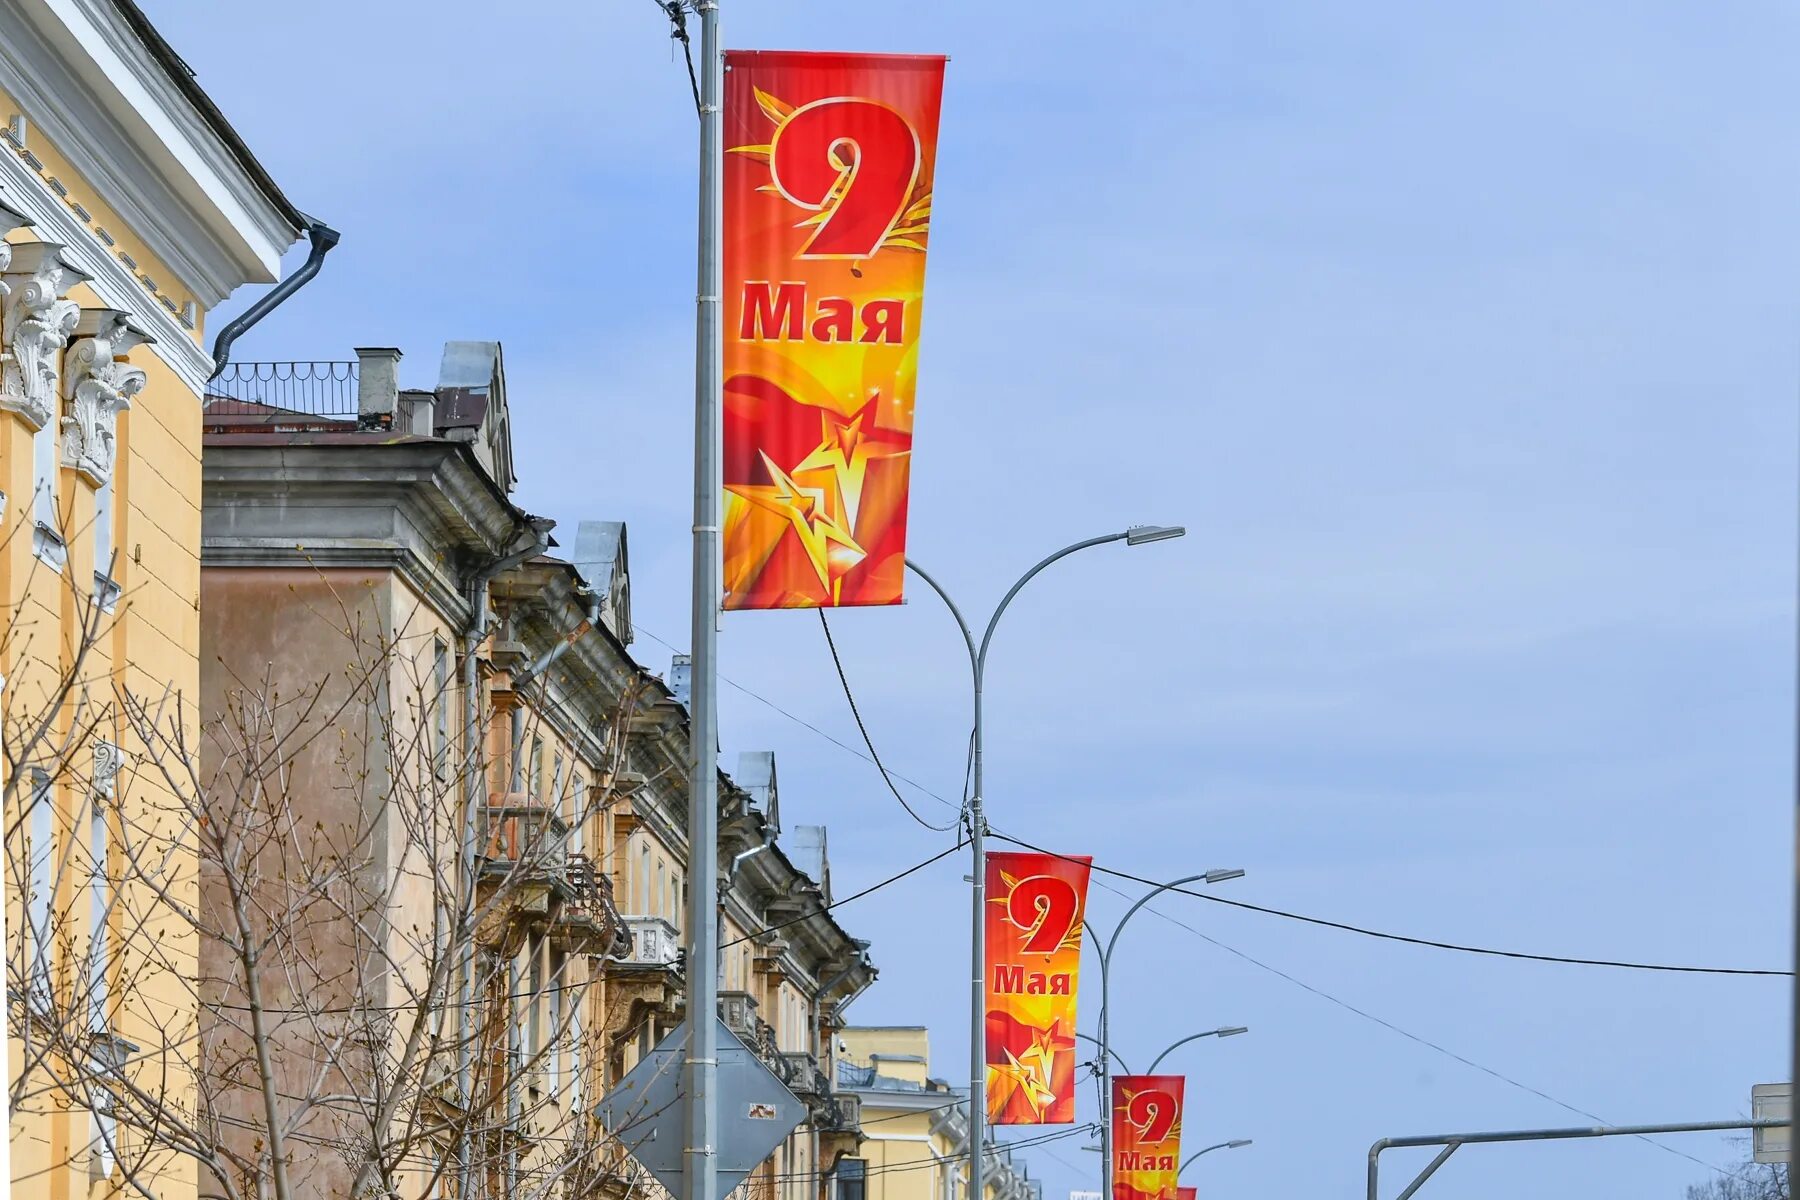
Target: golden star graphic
{"points": [[829, 547], [838, 466]]}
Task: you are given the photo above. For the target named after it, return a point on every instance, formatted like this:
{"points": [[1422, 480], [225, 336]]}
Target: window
{"points": [[642, 890], [99, 952], [106, 591], [559, 971], [534, 988], [674, 901], [440, 703], [534, 778], [850, 1179], [556, 781], [577, 1051], [661, 893], [39, 851], [46, 539], [578, 815]]}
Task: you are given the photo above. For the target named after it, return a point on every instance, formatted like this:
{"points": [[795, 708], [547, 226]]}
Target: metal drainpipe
{"points": [[323, 237], [472, 788], [548, 657]]}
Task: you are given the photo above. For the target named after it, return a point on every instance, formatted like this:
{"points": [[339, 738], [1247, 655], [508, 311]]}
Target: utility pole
{"points": [[700, 1069]]}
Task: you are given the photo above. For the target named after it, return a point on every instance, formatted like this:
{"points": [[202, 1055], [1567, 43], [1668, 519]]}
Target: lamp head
{"points": [[1220, 876], [1231, 1030], [1137, 535]]}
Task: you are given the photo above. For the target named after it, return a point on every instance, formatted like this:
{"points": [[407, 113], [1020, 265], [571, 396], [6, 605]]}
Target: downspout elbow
{"points": [[323, 238]]}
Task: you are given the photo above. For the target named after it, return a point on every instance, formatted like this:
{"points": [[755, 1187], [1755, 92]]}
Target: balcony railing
{"points": [[803, 1074], [282, 393], [738, 1011], [525, 836], [654, 942]]}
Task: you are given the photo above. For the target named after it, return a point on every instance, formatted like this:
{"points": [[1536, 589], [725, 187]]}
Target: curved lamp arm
{"points": [[981, 657], [1105, 1050], [1226, 1031], [968, 638], [1233, 1145]]}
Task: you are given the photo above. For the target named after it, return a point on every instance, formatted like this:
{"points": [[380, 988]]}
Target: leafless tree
{"points": [[307, 974]]}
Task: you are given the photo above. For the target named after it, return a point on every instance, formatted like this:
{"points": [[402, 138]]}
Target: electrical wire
{"points": [[480, 1002], [1322, 994], [846, 747], [874, 887], [863, 729], [1458, 947], [676, 11], [1323, 922]]}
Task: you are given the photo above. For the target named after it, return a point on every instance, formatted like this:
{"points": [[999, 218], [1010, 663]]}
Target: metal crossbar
{"points": [[1451, 1142]]}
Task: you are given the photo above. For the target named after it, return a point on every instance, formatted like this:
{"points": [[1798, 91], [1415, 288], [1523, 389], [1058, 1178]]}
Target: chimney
{"points": [[418, 413], [377, 386]]}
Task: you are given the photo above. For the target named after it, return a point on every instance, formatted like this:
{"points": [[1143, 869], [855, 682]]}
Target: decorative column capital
{"points": [[37, 322], [108, 758], [96, 385]]}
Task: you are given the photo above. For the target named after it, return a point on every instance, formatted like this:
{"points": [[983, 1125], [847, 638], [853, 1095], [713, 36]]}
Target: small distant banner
{"points": [[829, 165], [1182, 1193], [1035, 903], [1146, 1136]]}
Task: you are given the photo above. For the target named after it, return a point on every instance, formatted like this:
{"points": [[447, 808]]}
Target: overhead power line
{"points": [[1323, 922], [874, 757], [1458, 947], [1410, 1036], [676, 11]]}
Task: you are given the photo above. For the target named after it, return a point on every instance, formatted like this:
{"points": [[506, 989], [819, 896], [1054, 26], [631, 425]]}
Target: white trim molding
{"points": [[111, 109], [112, 281]]}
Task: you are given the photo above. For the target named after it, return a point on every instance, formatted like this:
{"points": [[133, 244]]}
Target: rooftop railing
{"points": [[278, 392]]}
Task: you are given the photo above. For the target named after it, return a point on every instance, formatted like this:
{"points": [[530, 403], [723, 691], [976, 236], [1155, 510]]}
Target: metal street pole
{"points": [[1106, 1056], [700, 1068], [1136, 535]]}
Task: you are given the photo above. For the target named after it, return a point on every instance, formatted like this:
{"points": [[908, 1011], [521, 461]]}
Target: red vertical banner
{"points": [[829, 167], [1146, 1136], [1182, 1193], [1033, 925]]}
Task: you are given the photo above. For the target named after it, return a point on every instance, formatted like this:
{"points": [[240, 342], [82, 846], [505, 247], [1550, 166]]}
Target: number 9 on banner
{"points": [[852, 161]]}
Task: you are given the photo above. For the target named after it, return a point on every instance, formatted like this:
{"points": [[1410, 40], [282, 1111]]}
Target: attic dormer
{"points": [[471, 406], [600, 556], [756, 775]]}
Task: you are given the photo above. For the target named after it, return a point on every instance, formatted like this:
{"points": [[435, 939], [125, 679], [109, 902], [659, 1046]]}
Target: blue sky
{"points": [[1462, 338]]}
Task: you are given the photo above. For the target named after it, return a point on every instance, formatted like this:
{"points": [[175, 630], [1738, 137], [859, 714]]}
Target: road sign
{"points": [[1773, 1102], [646, 1111]]}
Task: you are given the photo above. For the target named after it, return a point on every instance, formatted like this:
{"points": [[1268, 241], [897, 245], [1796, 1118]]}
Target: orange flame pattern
{"points": [[1033, 925], [828, 199], [1146, 1136]]}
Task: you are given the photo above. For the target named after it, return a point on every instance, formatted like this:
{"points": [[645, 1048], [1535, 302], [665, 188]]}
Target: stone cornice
{"points": [[126, 125]]}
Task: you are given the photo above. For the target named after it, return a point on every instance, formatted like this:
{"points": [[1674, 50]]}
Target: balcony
{"points": [[654, 942], [525, 839], [586, 922], [802, 1074], [838, 1113], [738, 1011]]}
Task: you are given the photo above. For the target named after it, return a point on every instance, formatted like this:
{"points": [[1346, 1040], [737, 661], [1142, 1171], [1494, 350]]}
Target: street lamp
{"points": [[1223, 1031], [1134, 536], [1232, 1145], [1106, 1057]]}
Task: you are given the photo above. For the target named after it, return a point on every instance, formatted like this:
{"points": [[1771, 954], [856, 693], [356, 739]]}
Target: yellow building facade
{"points": [[915, 1127], [129, 210]]}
